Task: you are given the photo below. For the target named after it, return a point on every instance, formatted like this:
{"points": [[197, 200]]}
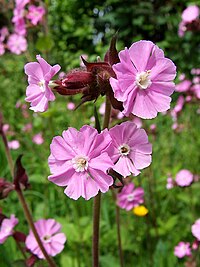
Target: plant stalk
{"points": [[8, 155]]}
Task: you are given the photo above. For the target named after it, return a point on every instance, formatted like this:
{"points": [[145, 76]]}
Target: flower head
{"points": [[17, 44], [6, 228], [130, 197], [190, 13], [53, 240], [79, 160], [35, 14], [184, 178], [39, 92], [196, 229], [144, 80], [140, 211], [182, 249], [38, 139], [132, 151]]}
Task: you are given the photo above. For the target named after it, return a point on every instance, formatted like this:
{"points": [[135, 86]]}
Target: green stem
{"points": [[119, 236], [97, 201]]}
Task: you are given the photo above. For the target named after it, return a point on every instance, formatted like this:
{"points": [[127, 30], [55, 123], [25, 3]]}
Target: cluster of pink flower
{"points": [[140, 84], [24, 16], [184, 248], [183, 178], [49, 231], [190, 20]]}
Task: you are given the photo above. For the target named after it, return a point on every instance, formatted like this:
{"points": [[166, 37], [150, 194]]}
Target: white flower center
{"points": [[42, 85], [124, 149], [143, 80], [130, 197], [47, 238], [80, 163]]}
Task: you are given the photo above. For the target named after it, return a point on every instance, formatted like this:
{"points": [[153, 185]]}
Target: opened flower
{"points": [[182, 249], [39, 77], [196, 229], [130, 197], [132, 151], [184, 178], [144, 80], [35, 14], [53, 240], [79, 160], [6, 228]]}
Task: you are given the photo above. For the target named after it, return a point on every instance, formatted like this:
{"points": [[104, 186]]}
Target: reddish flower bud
{"points": [[5, 188], [19, 236], [20, 176]]}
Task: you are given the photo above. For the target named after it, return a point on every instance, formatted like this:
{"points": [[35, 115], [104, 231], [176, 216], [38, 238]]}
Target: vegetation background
{"points": [[73, 28]]}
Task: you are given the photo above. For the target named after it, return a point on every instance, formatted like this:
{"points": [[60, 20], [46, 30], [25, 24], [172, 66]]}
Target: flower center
{"points": [[42, 85], [80, 163], [47, 238], [143, 80], [124, 149], [130, 197]]}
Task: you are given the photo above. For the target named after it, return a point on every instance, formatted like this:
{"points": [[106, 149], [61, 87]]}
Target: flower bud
{"points": [[5, 188]]}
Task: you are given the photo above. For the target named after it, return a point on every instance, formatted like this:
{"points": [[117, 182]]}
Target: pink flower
{"points": [[190, 13], [17, 44], [181, 29], [70, 106], [38, 139], [3, 33], [2, 49], [39, 92], [184, 178], [182, 249], [14, 144], [130, 197], [79, 160], [179, 104], [35, 14], [27, 127], [183, 86], [6, 228], [170, 183], [132, 151], [53, 240], [196, 90], [196, 229], [144, 80], [137, 121]]}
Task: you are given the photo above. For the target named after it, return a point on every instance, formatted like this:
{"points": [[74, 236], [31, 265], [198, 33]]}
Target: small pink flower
{"points": [[3, 33], [144, 80], [181, 29], [183, 86], [179, 104], [184, 178], [170, 183], [190, 13], [132, 151], [196, 90], [2, 49], [153, 127], [182, 249], [137, 121], [14, 144], [6, 228], [53, 240], [80, 160], [17, 44], [38, 139], [130, 197], [188, 98], [174, 126], [35, 14], [39, 75], [5, 127], [70, 106], [196, 229]]}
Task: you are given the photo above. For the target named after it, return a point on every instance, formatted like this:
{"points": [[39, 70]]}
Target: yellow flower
{"points": [[140, 211]]}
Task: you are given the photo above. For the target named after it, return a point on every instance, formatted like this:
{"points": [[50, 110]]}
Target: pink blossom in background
{"points": [[181, 29], [196, 229], [38, 139], [38, 93], [27, 127], [153, 127], [195, 245], [20, 27], [137, 121], [70, 106], [14, 144], [182, 249], [3, 33], [130, 197], [17, 44], [188, 98], [184, 178], [170, 183], [132, 151], [2, 49], [35, 14], [5, 127], [190, 13], [196, 79], [6, 228], [144, 80], [196, 90], [183, 86], [174, 126], [181, 77], [80, 160], [179, 104], [53, 240]]}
